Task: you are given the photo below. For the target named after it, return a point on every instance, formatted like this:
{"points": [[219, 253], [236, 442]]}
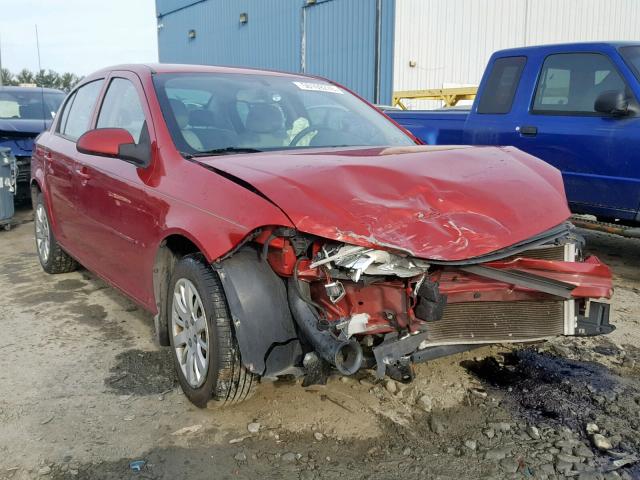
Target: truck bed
{"points": [[434, 127]]}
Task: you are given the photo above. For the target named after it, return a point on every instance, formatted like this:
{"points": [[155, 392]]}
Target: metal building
{"points": [[349, 41], [378, 46], [445, 43]]}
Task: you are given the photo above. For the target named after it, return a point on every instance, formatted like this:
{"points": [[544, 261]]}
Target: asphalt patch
{"points": [[547, 389], [139, 372]]}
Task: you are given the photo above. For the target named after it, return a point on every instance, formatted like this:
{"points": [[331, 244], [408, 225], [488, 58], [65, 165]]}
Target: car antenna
{"points": [[44, 113]]}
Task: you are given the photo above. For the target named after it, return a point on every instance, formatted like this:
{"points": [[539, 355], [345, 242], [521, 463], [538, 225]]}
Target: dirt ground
{"points": [[84, 392]]}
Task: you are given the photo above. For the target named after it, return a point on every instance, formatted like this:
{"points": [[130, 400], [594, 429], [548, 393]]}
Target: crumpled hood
{"points": [[19, 134], [440, 203]]}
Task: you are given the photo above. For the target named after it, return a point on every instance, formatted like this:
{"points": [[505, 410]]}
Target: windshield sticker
{"points": [[318, 87]]}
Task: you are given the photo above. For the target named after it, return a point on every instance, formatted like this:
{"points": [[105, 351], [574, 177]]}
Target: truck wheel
{"points": [[52, 258], [206, 355]]}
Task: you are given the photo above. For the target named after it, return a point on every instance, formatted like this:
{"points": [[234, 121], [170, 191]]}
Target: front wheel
{"points": [[206, 355], [52, 258]]}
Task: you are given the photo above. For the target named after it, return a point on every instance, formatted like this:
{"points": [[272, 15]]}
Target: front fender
{"points": [[258, 303]]}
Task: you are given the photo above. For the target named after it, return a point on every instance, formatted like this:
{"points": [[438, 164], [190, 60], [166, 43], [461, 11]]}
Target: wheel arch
{"points": [[38, 185], [256, 297], [172, 247]]}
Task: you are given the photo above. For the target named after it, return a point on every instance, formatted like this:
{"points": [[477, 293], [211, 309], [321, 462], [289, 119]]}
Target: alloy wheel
{"points": [[42, 233], [190, 332]]}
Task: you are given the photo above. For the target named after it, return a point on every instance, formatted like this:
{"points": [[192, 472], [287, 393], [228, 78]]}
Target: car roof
{"points": [[30, 89], [555, 47], [144, 69]]}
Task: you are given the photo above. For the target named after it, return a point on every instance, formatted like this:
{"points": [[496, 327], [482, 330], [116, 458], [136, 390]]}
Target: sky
{"points": [[77, 36]]}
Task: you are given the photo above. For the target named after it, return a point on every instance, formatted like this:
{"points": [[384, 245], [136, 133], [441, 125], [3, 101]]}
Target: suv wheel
{"points": [[52, 258], [206, 355]]}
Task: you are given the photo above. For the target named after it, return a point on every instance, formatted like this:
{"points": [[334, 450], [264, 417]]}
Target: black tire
{"points": [[57, 260], [226, 382]]}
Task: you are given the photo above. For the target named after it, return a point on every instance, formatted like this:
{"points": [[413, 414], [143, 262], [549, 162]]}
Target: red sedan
{"points": [[277, 224]]}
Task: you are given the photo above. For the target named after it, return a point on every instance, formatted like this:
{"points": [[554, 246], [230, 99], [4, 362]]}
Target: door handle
{"points": [[527, 130], [83, 173]]}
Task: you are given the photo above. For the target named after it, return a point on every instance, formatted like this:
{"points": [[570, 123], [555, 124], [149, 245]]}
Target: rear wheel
{"points": [[52, 258], [206, 355]]}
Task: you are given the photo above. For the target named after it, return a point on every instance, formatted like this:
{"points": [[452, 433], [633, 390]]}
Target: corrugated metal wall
{"points": [[339, 37], [270, 39], [452, 40], [348, 58]]}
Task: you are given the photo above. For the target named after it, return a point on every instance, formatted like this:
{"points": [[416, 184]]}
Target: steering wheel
{"points": [[303, 133]]}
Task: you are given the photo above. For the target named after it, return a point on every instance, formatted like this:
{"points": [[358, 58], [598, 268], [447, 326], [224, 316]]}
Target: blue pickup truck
{"points": [[575, 106]]}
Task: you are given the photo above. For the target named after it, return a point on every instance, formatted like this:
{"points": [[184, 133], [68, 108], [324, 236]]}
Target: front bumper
{"points": [[521, 300], [394, 354]]}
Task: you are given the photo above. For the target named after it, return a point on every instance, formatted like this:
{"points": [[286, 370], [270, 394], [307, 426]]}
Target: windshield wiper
{"points": [[224, 151]]}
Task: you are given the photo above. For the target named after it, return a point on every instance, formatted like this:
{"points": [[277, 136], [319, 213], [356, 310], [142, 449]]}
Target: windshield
{"points": [[28, 104], [631, 56], [231, 112]]}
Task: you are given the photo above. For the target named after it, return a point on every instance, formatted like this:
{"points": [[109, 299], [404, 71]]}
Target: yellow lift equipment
{"points": [[450, 96]]}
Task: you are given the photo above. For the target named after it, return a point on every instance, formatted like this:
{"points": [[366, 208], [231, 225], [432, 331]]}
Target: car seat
{"points": [[181, 115], [203, 123], [264, 127]]}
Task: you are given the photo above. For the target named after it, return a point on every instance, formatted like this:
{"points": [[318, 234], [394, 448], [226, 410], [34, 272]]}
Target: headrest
{"points": [[201, 118], [264, 118], [179, 112]]}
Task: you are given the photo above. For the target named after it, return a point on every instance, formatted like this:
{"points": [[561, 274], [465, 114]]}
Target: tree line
{"points": [[43, 78]]}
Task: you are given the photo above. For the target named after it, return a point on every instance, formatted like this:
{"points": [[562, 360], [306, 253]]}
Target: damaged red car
{"points": [[276, 224]]}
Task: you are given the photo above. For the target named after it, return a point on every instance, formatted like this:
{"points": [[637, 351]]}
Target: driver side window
{"points": [[570, 83], [121, 108]]}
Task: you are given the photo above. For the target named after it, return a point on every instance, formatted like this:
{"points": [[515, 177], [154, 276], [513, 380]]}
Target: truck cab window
{"points": [[501, 85], [569, 83]]}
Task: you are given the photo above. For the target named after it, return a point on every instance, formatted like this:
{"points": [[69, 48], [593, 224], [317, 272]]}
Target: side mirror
{"points": [[612, 102], [114, 143]]}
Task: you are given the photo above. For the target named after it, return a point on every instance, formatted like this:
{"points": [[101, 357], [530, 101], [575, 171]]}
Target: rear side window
{"points": [[121, 108], [503, 81], [569, 83], [65, 113], [80, 107]]}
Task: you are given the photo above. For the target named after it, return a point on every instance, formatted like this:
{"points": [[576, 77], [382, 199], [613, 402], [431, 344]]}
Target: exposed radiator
{"points": [[553, 252], [476, 322]]}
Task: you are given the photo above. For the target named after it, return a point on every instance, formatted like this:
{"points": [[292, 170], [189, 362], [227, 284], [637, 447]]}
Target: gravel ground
{"points": [[85, 392]]}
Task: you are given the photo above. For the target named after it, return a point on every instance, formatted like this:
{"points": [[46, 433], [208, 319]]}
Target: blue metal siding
{"points": [[268, 40], [387, 49], [340, 37], [340, 43]]}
